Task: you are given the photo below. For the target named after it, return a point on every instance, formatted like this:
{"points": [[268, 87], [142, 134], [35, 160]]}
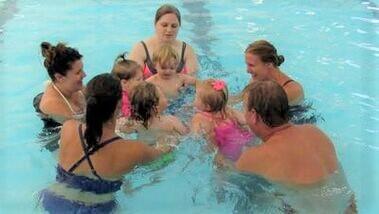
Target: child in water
{"points": [[130, 74], [222, 126], [147, 104], [167, 79]]}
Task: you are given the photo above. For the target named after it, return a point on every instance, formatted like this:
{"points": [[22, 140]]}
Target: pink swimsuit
{"points": [[230, 138], [126, 108]]}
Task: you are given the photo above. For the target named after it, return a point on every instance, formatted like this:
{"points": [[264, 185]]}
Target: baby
{"points": [[130, 75], [222, 126], [147, 104], [167, 79]]}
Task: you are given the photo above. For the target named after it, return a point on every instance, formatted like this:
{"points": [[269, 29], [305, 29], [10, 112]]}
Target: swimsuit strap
{"points": [[182, 63], [64, 98], [89, 152], [148, 61], [288, 81]]}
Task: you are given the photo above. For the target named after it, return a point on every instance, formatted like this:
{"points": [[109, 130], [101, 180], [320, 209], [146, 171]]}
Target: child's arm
{"points": [[238, 116], [188, 80], [178, 126], [200, 125], [126, 125]]}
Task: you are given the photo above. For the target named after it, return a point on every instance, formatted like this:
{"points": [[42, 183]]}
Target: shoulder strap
{"points": [[85, 156], [64, 98], [148, 61], [181, 62], [288, 81], [183, 51]]}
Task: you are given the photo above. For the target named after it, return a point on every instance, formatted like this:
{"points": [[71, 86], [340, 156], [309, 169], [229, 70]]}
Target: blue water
{"points": [[331, 47]]}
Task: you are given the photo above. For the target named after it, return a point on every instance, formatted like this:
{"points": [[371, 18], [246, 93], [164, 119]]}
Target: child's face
{"points": [[134, 81], [167, 70], [137, 79]]}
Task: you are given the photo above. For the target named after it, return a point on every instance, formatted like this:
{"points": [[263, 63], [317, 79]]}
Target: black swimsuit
{"points": [[90, 151], [150, 65]]}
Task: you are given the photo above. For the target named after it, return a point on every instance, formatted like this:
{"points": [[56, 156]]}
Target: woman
{"points": [[263, 61], [63, 98], [167, 23], [92, 158]]}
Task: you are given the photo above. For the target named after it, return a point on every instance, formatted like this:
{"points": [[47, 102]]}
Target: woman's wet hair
{"points": [[215, 99], [124, 68], [266, 52], [103, 93], [59, 58], [164, 55], [269, 100], [167, 9], [144, 102]]}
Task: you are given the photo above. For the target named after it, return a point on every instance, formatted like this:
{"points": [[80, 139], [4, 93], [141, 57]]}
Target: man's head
{"points": [[266, 105]]}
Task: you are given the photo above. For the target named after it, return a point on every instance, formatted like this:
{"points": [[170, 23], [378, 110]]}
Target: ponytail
{"points": [[103, 95]]}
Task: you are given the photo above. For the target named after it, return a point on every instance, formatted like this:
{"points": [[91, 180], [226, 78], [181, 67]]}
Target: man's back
{"points": [[296, 155]]}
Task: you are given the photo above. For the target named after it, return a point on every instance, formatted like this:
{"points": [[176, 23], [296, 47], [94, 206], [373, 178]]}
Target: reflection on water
{"points": [[202, 25]]}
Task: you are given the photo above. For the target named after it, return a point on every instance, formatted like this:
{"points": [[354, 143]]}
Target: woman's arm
{"points": [[191, 61], [138, 54]]}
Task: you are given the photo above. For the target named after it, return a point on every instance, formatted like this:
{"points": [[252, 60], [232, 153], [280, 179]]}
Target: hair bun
{"points": [[280, 60], [48, 53]]}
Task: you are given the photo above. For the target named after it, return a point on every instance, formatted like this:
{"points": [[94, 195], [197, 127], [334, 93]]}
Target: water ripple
{"points": [[367, 46], [372, 21]]}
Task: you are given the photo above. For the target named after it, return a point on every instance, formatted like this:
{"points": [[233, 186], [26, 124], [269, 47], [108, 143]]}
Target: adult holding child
{"points": [[167, 23], [92, 158], [300, 159]]}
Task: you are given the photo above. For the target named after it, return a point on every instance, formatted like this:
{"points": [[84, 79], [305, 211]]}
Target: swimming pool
{"points": [[331, 47]]}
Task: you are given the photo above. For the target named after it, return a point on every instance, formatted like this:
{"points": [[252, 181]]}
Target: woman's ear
{"points": [[59, 77]]}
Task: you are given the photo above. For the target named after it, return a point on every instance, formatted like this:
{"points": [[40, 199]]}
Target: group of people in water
{"points": [[133, 98]]}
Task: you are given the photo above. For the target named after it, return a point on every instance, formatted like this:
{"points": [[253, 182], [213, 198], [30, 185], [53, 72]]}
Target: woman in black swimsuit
{"points": [[167, 23], [263, 61]]}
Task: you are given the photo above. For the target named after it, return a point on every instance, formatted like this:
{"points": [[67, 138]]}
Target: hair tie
{"points": [[218, 85], [91, 100], [122, 57]]}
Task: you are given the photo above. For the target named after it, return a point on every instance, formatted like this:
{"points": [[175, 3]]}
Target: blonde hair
{"points": [[165, 54], [215, 99], [124, 68]]}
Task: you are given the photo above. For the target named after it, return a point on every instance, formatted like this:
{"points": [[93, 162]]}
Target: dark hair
{"points": [[144, 102], [59, 58], [269, 100], [266, 51], [103, 93], [124, 68], [166, 9]]}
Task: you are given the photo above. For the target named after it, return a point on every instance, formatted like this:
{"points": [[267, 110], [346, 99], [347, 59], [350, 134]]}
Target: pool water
{"points": [[331, 47]]}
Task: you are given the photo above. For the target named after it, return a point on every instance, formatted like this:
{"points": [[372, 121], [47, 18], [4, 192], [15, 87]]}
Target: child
{"points": [[221, 125], [147, 103], [130, 75], [167, 79]]}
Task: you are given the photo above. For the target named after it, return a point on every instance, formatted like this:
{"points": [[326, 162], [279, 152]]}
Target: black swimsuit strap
{"points": [[89, 152], [288, 81], [150, 64], [148, 60], [182, 63]]}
